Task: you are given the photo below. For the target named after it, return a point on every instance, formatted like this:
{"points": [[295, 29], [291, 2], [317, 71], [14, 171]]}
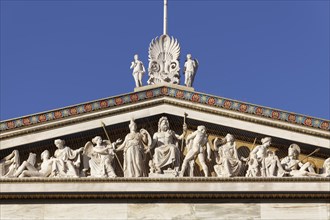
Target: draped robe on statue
{"points": [[66, 162], [166, 150], [134, 157]]}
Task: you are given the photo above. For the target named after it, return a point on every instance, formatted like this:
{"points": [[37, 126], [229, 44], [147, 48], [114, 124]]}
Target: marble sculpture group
{"points": [[165, 155]]}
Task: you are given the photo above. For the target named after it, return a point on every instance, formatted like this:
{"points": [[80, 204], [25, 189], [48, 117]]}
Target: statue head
{"points": [[229, 138], [132, 125], [97, 140], [188, 56], [201, 128], [266, 141], [163, 124], [45, 155], [136, 57], [294, 150], [59, 143]]}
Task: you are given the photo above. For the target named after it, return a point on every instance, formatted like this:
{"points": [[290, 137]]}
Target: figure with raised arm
{"points": [[190, 69], [101, 157], [195, 143], [228, 163], [138, 70], [9, 164], [134, 151], [165, 143]]}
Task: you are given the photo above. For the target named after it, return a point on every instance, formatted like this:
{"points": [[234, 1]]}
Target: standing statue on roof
{"points": [[138, 70], [190, 69]]}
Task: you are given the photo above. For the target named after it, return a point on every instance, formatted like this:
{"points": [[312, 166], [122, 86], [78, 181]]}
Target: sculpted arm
{"points": [[235, 152], [121, 147], [208, 150], [154, 141], [191, 136], [132, 65]]}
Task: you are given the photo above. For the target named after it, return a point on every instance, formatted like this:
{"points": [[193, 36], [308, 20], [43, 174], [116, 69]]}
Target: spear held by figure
{"points": [[184, 130], [315, 151], [106, 133]]}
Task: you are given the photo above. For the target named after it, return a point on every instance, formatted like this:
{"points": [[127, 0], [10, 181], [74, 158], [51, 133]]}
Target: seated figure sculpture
{"points": [[195, 143], [228, 163], [269, 164], [101, 157], [294, 166], [66, 161], [9, 164], [166, 149], [28, 169]]}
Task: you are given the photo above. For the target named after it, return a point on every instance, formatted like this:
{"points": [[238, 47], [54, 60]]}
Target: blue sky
{"points": [[60, 53]]}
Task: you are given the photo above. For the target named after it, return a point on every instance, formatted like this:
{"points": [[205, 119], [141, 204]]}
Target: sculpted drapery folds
{"points": [[134, 151], [165, 161], [101, 157], [138, 70], [28, 169], [9, 164], [67, 161], [167, 152], [228, 164], [269, 164], [293, 166], [190, 69]]}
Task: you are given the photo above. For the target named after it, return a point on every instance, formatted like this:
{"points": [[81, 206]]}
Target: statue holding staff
{"points": [[101, 157], [134, 151], [165, 142], [195, 143]]}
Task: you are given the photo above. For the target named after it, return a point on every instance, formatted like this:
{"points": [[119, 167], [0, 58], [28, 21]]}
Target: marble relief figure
{"points": [[66, 161], [9, 164], [165, 143], [138, 70], [195, 143], [326, 168], [294, 166], [101, 156], [134, 151], [228, 163], [28, 169]]}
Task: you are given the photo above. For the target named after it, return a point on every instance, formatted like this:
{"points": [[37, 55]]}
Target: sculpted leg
{"points": [[190, 155], [204, 166]]}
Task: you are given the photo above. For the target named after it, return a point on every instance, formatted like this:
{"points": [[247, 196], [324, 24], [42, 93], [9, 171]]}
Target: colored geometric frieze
{"points": [[166, 91]]}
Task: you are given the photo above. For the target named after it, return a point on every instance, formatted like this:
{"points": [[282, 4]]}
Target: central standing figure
{"points": [[167, 151], [134, 151]]}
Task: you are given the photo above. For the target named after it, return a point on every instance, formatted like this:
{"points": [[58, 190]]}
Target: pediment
{"points": [[248, 123]]}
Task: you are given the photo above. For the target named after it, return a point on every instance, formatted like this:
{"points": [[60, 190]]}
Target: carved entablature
{"points": [[164, 53]]}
